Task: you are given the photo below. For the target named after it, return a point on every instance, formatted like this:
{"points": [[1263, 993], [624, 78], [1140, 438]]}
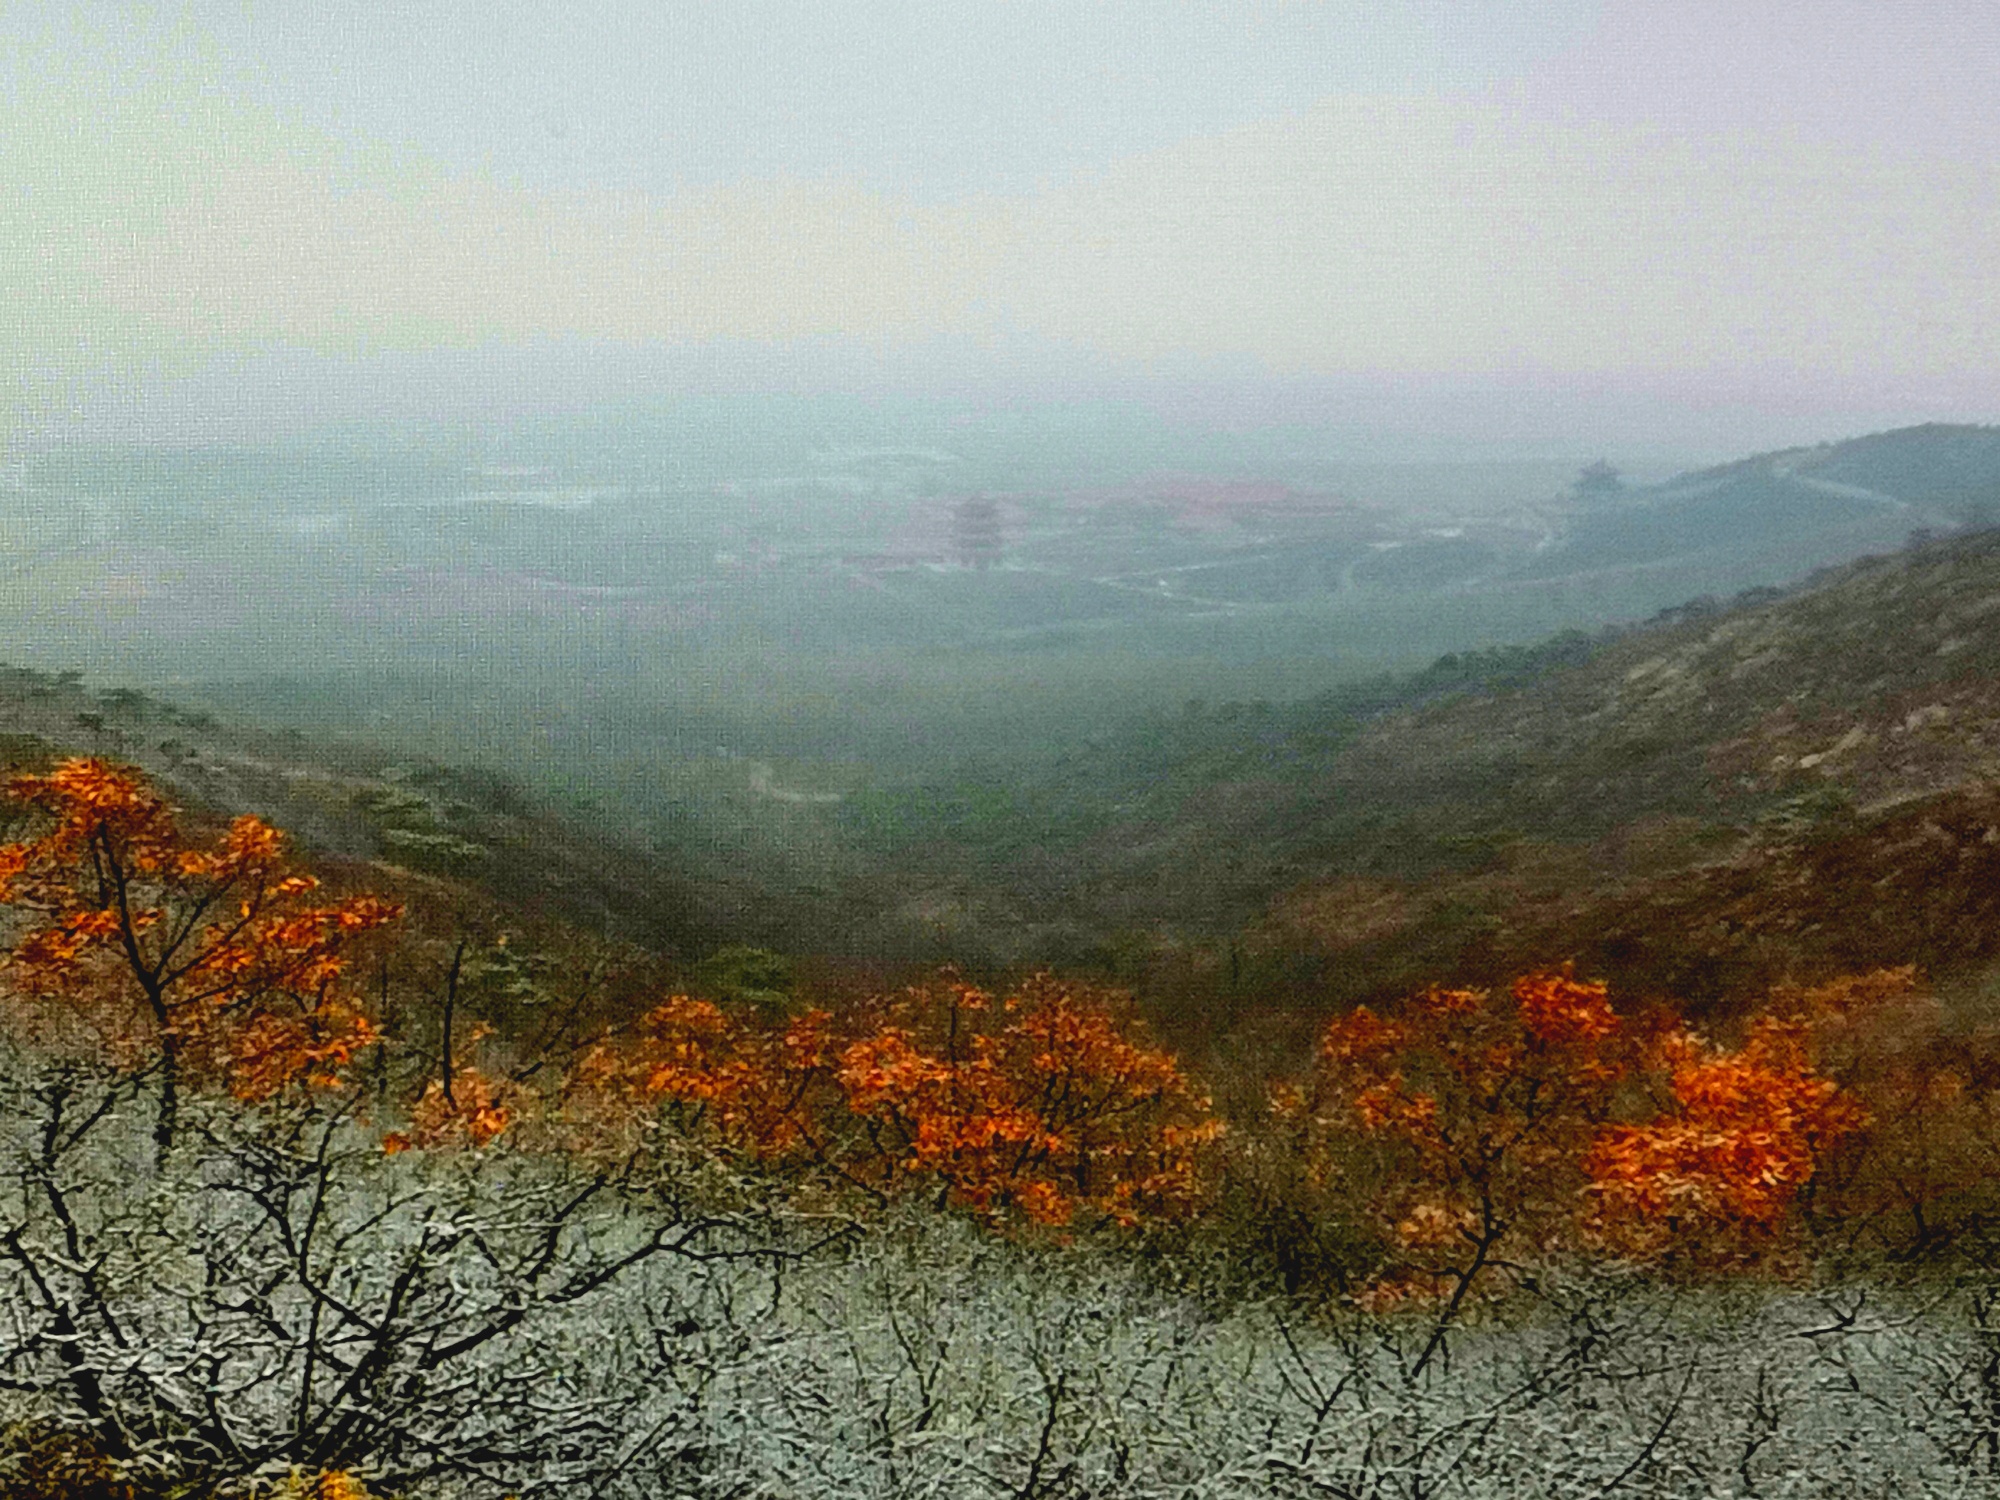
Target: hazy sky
{"points": [[1692, 209]]}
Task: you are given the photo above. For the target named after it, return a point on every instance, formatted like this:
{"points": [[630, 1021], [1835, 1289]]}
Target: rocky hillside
{"points": [[1803, 782]]}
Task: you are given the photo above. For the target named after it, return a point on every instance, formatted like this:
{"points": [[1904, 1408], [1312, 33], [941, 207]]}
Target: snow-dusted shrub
{"points": [[283, 1294], [934, 1360]]}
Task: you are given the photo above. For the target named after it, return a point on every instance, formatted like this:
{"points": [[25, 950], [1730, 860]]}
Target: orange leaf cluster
{"points": [[475, 1113], [745, 1084], [1470, 1080], [269, 1051], [1558, 1011], [1720, 1168], [142, 943], [1043, 1101]]}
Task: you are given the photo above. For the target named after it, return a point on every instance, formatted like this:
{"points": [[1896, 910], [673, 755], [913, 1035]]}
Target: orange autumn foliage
{"points": [[1045, 1101], [142, 945], [709, 1077], [1476, 1129], [1485, 1129], [1717, 1171], [476, 1112], [1915, 1177], [1461, 1122], [328, 1484]]}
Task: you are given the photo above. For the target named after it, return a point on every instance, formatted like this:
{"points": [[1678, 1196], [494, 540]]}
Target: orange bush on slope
{"points": [[1044, 1100], [146, 947], [1716, 1172], [1460, 1124], [1484, 1130]]}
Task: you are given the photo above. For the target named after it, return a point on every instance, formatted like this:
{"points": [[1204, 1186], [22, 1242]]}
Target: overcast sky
{"points": [[1680, 208]]}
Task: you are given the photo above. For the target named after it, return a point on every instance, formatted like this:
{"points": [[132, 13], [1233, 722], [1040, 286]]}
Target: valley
{"points": [[750, 968], [854, 700]]}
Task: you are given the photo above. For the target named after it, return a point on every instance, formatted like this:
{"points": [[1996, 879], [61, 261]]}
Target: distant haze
{"points": [[1689, 228]]}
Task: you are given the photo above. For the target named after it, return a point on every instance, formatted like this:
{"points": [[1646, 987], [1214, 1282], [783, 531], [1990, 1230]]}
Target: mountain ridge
{"points": [[1841, 738]]}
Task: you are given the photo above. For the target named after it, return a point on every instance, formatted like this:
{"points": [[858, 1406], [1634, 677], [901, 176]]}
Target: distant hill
{"points": [[1953, 471], [450, 838], [1782, 514], [1800, 783]]}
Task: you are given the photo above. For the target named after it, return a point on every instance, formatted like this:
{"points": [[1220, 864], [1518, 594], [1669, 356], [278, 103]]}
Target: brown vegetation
{"points": [[1437, 1154]]}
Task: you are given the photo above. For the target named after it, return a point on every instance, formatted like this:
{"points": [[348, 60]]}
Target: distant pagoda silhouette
{"points": [[976, 539]]}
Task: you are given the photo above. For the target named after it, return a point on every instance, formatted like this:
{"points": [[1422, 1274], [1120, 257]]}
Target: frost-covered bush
{"points": [[933, 1360], [282, 1294]]}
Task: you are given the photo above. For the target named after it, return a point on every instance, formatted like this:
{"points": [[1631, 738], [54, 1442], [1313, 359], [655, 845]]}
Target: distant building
{"points": [[976, 539], [1598, 481]]}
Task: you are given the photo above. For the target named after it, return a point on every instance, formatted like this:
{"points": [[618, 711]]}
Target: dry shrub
{"points": [[41, 1461]]}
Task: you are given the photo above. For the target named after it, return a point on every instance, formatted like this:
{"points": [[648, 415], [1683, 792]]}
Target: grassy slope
{"points": [[1806, 783], [453, 839]]}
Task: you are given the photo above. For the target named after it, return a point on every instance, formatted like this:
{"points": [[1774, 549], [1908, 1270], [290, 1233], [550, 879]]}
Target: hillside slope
{"points": [[1610, 796], [452, 838], [1807, 782], [1778, 515]]}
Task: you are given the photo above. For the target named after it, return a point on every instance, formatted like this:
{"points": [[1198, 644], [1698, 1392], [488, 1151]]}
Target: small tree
{"points": [[1485, 1132], [1462, 1123], [1048, 1100], [160, 951]]}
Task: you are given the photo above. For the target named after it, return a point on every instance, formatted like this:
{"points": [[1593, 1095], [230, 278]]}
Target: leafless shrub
{"points": [[281, 1295]]}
